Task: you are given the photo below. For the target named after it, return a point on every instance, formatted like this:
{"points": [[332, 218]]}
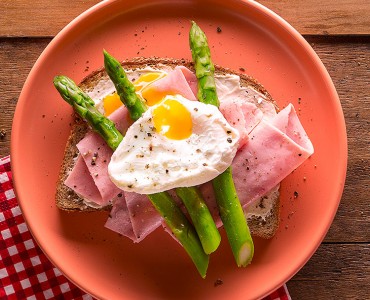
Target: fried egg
{"points": [[176, 143]]}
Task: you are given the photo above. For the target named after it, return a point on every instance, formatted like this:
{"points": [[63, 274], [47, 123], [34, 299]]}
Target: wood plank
{"points": [[17, 57], [348, 64], [22, 17], [329, 17], [335, 271]]}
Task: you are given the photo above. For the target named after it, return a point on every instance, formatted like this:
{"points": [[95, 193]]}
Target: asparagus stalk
{"points": [[191, 197], [227, 199], [233, 218], [182, 229], [124, 87], [201, 217], [174, 217]]}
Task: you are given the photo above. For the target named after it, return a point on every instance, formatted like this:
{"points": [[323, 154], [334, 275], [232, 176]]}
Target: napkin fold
{"points": [[25, 271]]}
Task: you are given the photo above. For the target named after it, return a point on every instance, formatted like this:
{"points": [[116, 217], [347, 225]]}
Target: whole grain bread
{"points": [[68, 200]]}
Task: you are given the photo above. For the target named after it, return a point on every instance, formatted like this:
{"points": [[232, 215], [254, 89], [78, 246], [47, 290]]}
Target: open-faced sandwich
{"points": [[181, 144]]}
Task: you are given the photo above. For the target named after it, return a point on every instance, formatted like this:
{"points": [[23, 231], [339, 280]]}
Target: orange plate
{"points": [[252, 37]]}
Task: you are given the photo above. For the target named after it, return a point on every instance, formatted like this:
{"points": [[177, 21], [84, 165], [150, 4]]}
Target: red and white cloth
{"points": [[25, 271]]}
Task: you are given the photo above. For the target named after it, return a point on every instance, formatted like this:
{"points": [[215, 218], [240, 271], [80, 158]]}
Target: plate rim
{"points": [[95, 10]]}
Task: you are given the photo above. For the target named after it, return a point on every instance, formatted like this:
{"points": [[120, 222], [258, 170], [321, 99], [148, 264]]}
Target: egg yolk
{"points": [[151, 95], [146, 78], [111, 103], [172, 120]]}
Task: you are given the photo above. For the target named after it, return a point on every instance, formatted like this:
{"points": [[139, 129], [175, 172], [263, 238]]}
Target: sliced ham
{"points": [[119, 219], [241, 115], [179, 81], [144, 217], [95, 186], [273, 151], [79, 181], [190, 78], [96, 155]]}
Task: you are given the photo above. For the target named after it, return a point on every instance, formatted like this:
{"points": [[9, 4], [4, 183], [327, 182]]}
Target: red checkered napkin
{"points": [[25, 272]]}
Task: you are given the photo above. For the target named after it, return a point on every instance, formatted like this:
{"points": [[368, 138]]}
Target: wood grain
{"points": [[335, 271], [17, 57], [328, 17], [334, 17], [349, 66], [21, 18]]}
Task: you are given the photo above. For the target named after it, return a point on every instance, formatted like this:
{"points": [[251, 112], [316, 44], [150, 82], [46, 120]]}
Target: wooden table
{"points": [[339, 32]]}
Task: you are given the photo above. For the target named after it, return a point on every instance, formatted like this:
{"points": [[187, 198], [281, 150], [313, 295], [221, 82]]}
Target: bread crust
{"points": [[66, 199]]}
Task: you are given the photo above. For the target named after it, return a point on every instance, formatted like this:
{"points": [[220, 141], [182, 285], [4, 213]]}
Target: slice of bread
{"points": [[67, 199]]}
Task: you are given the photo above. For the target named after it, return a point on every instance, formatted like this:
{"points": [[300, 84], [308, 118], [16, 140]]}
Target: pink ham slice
{"points": [[96, 155], [191, 79], [273, 151], [241, 115], [95, 186], [119, 219], [78, 180], [144, 218], [179, 81]]}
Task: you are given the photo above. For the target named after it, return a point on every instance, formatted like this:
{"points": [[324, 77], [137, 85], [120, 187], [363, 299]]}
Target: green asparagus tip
{"points": [[106, 53], [62, 83]]}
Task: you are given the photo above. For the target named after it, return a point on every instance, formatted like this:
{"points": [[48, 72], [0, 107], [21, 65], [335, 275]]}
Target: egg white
{"points": [[147, 162]]}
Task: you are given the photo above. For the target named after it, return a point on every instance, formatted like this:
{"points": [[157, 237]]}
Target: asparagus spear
{"points": [[124, 87], [233, 218], [174, 217], [201, 217], [182, 229], [84, 106], [191, 197], [227, 199]]}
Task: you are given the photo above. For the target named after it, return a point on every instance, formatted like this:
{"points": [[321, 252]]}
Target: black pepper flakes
{"points": [[295, 194], [261, 204], [219, 30], [218, 282], [229, 140], [93, 159]]}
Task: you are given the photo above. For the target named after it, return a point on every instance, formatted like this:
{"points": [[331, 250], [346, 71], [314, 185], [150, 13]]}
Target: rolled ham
{"points": [[275, 149]]}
